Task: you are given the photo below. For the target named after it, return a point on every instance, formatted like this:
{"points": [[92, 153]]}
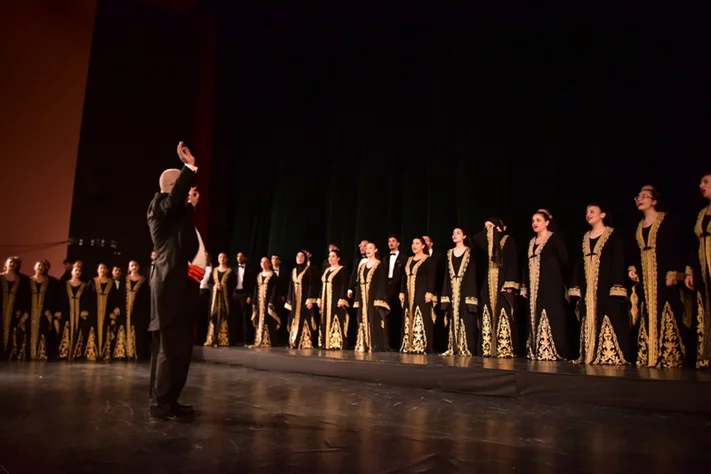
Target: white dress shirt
{"points": [[240, 276], [205, 283], [393, 259]]}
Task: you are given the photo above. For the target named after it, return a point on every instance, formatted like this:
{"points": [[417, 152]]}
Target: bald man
{"points": [[174, 295]]}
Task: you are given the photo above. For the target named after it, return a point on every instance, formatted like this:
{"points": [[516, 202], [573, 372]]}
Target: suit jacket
{"points": [[176, 244], [248, 282], [398, 272]]}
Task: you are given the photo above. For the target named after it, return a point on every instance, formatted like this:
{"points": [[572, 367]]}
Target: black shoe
{"points": [[174, 414], [184, 408]]}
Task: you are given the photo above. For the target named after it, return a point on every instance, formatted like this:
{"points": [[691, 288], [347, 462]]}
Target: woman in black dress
{"points": [[300, 302], [333, 330], [371, 303], [418, 297], [264, 303]]}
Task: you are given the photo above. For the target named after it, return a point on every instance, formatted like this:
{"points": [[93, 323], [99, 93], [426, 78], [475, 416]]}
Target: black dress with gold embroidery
{"points": [[15, 312], [74, 311], [498, 295], [221, 309], [303, 290], [264, 313], [34, 337], [373, 308], [660, 342], [700, 268], [459, 301], [544, 286], [419, 316], [598, 282], [333, 330], [132, 322], [100, 327]]}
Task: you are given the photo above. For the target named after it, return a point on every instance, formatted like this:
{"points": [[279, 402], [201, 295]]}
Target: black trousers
{"points": [[203, 315], [241, 319], [172, 350]]}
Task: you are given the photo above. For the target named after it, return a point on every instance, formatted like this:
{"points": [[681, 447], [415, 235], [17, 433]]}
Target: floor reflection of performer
{"points": [[459, 297], [598, 284]]}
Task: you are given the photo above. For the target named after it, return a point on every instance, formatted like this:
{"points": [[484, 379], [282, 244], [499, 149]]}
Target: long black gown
{"points": [[73, 305], [333, 330], [100, 327], [15, 311], [701, 270], [373, 308], [419, 283], [264, 314], [662, 332], [498, 296], [221, 309], [460, 303], [544, 286], [38, 327], [598, 281], [133, 321], [303, 290]]}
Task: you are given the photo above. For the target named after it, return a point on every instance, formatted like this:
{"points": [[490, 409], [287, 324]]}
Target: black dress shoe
{"points": [[173, 414], [184, 408]]}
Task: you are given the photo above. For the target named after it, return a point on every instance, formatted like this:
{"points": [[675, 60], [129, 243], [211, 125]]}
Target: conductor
{"points": [[174, 291]]}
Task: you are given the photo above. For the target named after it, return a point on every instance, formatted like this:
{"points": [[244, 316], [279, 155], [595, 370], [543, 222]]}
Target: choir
{"points": [[647, 306]]}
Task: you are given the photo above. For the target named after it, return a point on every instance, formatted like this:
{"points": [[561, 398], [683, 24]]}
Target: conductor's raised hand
{"points": [[185, 155]]}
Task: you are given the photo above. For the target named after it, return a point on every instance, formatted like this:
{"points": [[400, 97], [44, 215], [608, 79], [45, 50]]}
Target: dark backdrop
{"points": [[342, 124]]}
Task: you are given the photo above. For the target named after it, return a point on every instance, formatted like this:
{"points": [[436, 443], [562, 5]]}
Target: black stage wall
{"points": [[344, 124]]}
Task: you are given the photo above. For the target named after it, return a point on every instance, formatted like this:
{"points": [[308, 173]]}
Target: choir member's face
{"points": [[10, 265], [223, 260], [362, 246], [333, 258], [102, 270], [40, 268], [76, 272], [116, 273], [417, 246], [275, 261], [370, 250], [644, 200], [594, 215], [265, 263], [428, 241], [539, 223], [705, 186], [241, 258], [300, 258], [153, 256], [133, 266], [393, 244], [457, 235]]}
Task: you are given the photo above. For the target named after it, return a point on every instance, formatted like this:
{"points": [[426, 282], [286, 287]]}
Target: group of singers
{"points": [[649, 306]]}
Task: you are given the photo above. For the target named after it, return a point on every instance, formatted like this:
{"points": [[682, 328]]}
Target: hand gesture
{"points": [[402, 300], [689, 282], [633, 276], [193, 197], [185, 155]]}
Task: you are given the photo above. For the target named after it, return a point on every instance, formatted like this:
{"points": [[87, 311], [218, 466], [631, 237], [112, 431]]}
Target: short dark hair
{"points": [[393, 236]]}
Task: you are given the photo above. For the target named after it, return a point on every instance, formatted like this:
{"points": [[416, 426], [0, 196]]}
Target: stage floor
{"points": [[673, 390], [88, 418]]}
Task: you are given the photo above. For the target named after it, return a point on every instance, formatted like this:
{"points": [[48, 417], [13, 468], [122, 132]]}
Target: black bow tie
{"points": [[240, 266], [393, 253]]}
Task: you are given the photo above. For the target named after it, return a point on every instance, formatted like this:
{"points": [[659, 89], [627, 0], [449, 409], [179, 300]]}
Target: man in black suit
{"points": [[242, 296], [395, 261], [174, 294]]}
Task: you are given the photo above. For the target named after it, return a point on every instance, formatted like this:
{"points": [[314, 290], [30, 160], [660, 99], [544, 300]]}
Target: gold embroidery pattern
{"points": [[326, 309], [649, 276], [91, 353], [262, 337], [102, 297], [220, 306], [617, 290], [305, 341], [672, 350], [504, 339], [642, 344], [335, 340], [414, 340], [701, 363], [486, 332], [120, 349], [592, 276], [131, 293], [608, 347], [545, 345], [512, 285], [534, 276], [67, 347]]}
